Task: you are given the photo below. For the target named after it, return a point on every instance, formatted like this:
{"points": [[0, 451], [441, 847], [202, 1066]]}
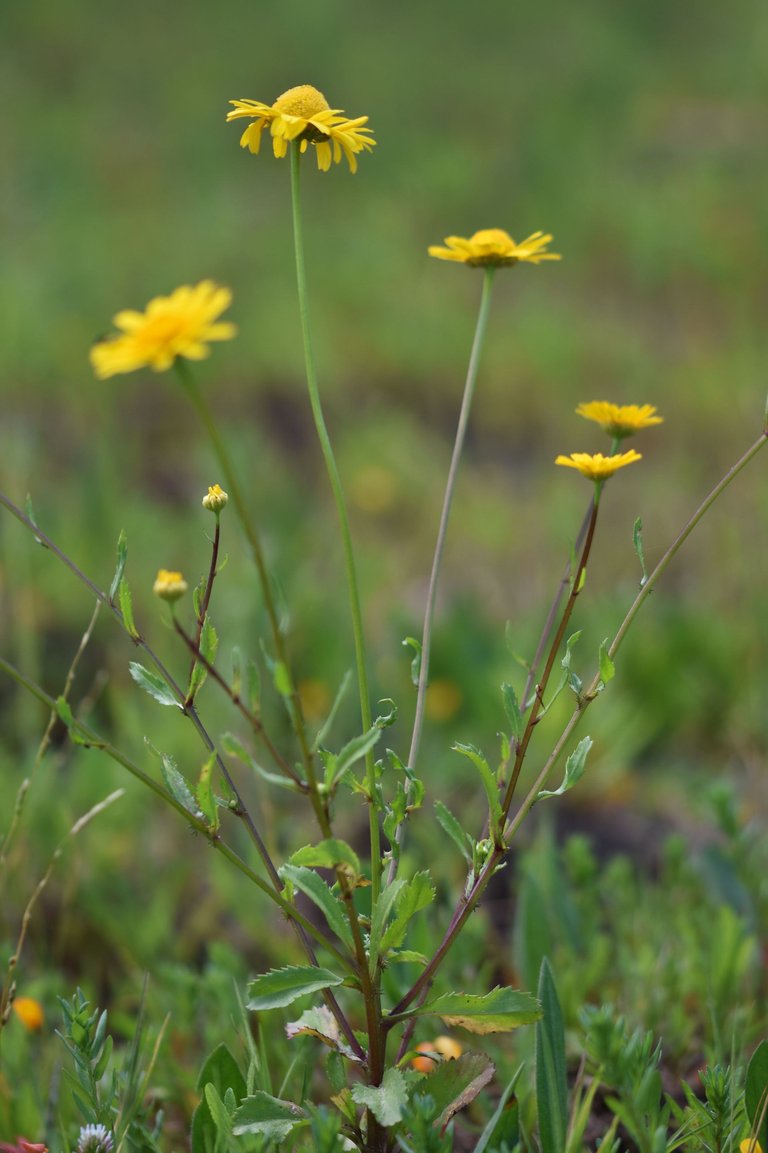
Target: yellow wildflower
{"points": [[750, 1145], [30, 1013], [494, 246], [303, 114], [215, 499], [177, 325], [596, 466], [620, 420], [169, 586]]}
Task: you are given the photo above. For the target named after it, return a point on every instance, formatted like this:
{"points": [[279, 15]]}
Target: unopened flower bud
{"points": [[215, 498], [30, 1013], [169, 586]]}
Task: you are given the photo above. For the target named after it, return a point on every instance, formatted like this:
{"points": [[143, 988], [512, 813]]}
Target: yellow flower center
{"points": [[162, 329], [304, 101]]}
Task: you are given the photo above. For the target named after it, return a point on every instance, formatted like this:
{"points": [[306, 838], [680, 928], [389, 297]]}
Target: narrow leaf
{"points": [[387, 1100], [204, 794], [551, 1084], [637, 541], [282, 679], [488, 779], [282, 987], [126, 608], [354, 750], [233, 747], [411, 642], [756, 1093], [66, 717], [451, 826], [325, 728], [310, 883], [496, 1012], [513, 710], [489, 1133], [122, 557], [379, 917], [153, 684], [574, 770], [607, 667]]}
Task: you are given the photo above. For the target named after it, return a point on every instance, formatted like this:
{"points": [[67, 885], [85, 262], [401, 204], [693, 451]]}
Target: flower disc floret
{"points": [[179, 325], [596, 466], [169, 585], [620, 420], [495, 248], [303, 114]]}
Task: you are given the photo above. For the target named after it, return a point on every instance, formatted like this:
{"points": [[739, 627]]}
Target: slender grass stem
{"points": [[341, 510], [442, 531]]}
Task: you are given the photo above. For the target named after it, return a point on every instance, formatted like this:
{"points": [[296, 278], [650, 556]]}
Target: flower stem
{"points": [[341, 509], [453, 470]]}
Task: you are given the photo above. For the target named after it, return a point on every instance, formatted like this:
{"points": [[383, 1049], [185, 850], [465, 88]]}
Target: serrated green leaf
{"points": [[574, 770], [499, 1011], [153, 684], [513, 710], [122, 557], [455, 1083], [489, 782], [354, 750], [219, 1112], [267, 1116], [387, 1100], [451, 826], [209, 643], [417, 895], [126, 608], [233, 747], [204, 794], [607, 667], [411, 642], [282, 987], [321, 1023], [310, 883], [328, 854], [406, 956], [551, 1082]]}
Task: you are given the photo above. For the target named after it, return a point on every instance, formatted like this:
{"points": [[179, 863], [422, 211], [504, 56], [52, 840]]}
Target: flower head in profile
{"points": [[95, 1139], [620, 420], [169, 586], [596, 466], [215, 499], [179, 325], [494, 247], [303, 114]]}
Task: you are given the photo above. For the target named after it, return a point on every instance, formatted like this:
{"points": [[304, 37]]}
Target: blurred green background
{"points": [[633, 131]]}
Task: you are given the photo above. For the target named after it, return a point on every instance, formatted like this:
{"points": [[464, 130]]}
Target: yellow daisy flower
{"points": [[596, 466], [494, 246], [304, 114], [169, 586], [171, 326], [620, 420]]}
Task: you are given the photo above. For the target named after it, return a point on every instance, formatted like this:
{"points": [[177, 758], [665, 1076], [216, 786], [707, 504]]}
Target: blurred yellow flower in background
{"points": [[495, 247], [620, 420], [171, 326], [30, 1013], [169, 586], [303, 114], [596, 466]]}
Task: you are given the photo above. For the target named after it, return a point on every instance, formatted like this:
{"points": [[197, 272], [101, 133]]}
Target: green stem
{"points": [[442, 531], [341, 509]]}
